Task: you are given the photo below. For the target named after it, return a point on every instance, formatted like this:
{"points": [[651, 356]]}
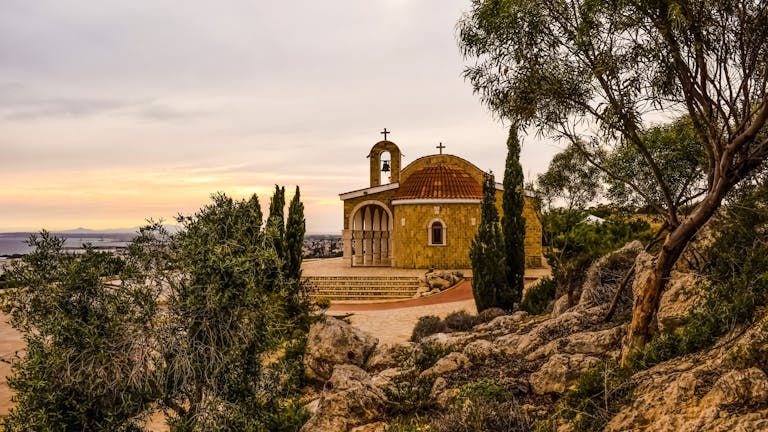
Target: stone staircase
{"points": [[363, 287]]}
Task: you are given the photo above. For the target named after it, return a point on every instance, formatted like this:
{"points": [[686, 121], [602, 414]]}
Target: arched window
{"points": [[437, 233]]}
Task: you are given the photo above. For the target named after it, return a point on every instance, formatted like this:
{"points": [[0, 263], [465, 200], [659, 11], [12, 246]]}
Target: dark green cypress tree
{"points": [[487, 252], [276, 220], [295, 228], [513, 222]]}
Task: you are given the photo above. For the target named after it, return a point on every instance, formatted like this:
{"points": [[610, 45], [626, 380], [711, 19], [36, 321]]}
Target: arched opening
{"points": [[437, 232], [371, 225], [385, 172]]}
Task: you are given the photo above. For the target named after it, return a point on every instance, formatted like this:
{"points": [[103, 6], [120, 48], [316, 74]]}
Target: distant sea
{"points": [[15, 243]]}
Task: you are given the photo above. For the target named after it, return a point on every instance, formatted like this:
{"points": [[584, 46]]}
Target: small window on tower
{"points": [[438, 233]]}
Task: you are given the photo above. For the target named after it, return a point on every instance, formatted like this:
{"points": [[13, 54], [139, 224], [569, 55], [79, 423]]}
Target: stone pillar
{"points": [[376, 249], [385, 247], [368, 247], [357, 258], [346, 239]]}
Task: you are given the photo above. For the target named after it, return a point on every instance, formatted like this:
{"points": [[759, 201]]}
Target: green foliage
{"points": [[570, 180], [754, 354], [409, 396], [427, 325], [90, 361], [483, 406], [487, 254], [677, 152], [227, 309], [428, 354], [460, 321], [538, 297], [484, 389], [454, 322], [295, 229], [489, 314], [594, 399], [513, 225], [573, 249]]}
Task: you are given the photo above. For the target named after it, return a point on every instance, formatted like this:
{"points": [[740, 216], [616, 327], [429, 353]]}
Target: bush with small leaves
{"points": [[538, 297], [460, 321], [427, 325]]}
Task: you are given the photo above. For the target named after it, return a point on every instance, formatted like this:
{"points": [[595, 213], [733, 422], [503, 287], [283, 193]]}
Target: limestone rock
{"points": [[451, 362], [605, 275], [503, 324], [743, 387], [545, 331], [594, 343], [446, 399], [333, 342], [439, 386], [350, 399], [452, 341], [559, 372], [561, 305], [480, 349], [679, 297], [371, 427], [387, 356]]}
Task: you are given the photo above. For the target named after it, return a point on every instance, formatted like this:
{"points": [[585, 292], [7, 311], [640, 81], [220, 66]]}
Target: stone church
{"points": [[425, 216]]}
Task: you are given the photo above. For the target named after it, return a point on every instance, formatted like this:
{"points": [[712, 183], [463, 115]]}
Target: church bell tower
{"points": [[376, 164]]}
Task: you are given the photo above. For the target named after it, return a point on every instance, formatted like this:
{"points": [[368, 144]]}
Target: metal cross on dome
{"points": [[385, 132], [441, 147]]}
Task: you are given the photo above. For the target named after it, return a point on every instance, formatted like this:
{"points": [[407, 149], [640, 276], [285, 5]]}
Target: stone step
{"points": [[363, 287]]}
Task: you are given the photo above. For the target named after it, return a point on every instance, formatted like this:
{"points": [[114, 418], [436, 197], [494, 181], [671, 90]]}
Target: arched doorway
{"points": [[371, 225]]}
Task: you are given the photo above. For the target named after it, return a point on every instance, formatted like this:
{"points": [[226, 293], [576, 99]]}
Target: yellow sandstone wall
{"points": [[412, 248]]}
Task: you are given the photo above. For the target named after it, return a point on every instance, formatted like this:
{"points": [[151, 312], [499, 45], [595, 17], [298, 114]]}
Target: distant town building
{"points": [[425, 216]]}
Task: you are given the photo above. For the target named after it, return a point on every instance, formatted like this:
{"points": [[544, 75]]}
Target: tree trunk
{"points": [[647, 304]]}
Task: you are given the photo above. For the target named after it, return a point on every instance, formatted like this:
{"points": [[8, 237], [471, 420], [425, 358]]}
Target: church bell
{"points": [[385, 166]]}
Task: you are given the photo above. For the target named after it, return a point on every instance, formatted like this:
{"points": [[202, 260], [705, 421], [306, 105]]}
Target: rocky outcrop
{"points": [[437, 281], [699, 392], [680, 296], [333, 342], [349, 399], [606, 274], [451, 362], [559, 372]]}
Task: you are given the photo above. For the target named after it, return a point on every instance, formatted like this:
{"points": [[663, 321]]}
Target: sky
{"points": [[112, 113]]}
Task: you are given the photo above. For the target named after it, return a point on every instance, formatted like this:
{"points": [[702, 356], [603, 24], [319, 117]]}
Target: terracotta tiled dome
{"points": [[440, 181]]}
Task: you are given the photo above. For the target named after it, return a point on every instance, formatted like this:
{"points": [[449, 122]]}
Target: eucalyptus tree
{"points": [[593, 73]]}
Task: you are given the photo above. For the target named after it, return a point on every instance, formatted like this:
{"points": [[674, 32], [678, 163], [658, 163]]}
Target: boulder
{"points": [[559, 372], [451, 362], [548, 330], [597, 343], [349, 400], [605, 275], [738, 387], [561, 305], [480, 349], [333, 342], [679, 297], [503, 324], [387, 356]]}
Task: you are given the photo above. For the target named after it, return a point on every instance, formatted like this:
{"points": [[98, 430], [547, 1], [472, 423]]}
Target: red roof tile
{"points": [[440, 181]]}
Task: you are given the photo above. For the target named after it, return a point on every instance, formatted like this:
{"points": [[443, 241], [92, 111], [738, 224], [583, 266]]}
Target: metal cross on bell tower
{"points": [[385, 132]]}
